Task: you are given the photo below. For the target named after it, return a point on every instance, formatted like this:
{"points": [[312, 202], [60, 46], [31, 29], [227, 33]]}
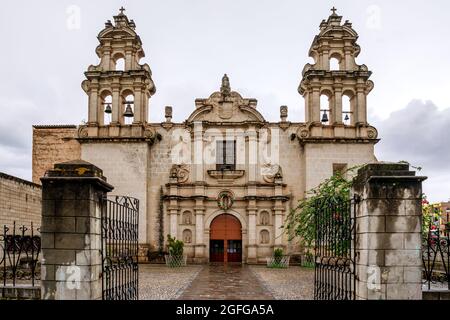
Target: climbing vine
{"points": [[300, 222], [161, 221]]}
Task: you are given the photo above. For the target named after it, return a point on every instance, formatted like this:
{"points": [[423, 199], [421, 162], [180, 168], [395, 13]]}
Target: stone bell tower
{"points": [[119, 88], [336, 95]]}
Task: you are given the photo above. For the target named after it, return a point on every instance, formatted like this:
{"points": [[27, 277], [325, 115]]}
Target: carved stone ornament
{"points": [[83, 132], [304, 133], [225, 200], [225, 88], [150, 133], [271, 172], [180, 172], [372, 133]]}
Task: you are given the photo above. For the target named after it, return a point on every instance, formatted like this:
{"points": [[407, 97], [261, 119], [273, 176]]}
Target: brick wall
{"points": [[53, 144], [20, 201]]}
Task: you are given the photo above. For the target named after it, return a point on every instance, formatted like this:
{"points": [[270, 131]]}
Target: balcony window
{"points": [[226, 155]]}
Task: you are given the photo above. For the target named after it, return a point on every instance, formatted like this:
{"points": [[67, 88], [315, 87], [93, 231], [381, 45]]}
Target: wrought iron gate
{"points": [[334, 276], [120, 220]]}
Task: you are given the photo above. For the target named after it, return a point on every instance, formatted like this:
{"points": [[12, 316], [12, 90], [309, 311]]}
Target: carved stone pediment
{"points": [[226, 106]]}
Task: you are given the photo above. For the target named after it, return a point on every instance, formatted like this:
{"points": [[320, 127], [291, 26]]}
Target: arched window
{"points": [[264, 218], [187, 236], [128, 107], [107, 109], [346, 110], [187, 217], [120, 64], [334, 64], [325, 111], [264, 237]]}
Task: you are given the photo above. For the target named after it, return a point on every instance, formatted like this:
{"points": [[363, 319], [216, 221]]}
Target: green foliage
{"points": [[301, 220], [161, 221], [176, 247], [278, 255], [431, 216]]}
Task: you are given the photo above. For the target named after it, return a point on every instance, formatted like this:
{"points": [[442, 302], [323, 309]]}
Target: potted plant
{"points": [[175, 258], [278, 260]]}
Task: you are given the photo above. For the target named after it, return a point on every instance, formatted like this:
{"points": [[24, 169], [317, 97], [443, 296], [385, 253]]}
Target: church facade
{"points": [[224, 180]]}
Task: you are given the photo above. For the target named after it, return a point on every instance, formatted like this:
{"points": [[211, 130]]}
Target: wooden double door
{"points": [[225, 239]]}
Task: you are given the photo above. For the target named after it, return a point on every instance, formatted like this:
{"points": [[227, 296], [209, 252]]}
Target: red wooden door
{"points": [[226, 228]]}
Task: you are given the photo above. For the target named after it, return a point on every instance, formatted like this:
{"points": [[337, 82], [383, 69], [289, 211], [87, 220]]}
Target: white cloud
{"points": [[419, 134]]}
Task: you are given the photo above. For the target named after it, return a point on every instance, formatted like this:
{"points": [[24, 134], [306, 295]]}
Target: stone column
{"points": [[279, 214], [361, 105], [71, 231], [173, 208], [326, 60], [338, 104], [106, 60], [93, 106], [388, 232], [199, 254], [315, 105], [137, 106], [116, 105], [198, 152], [252, 154], [252, 237], [173, 222], [128, 60]]}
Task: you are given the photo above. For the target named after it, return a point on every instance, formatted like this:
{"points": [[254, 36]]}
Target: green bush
{"points": [[278, 255], [176, 247]]}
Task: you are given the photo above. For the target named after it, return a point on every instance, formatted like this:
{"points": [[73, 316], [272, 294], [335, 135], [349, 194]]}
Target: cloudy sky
{"points": [[262, 45]]}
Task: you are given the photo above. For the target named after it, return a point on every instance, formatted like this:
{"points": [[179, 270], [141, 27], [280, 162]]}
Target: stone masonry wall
{"points": [[20, 201], [53, 144], [125, 166]]}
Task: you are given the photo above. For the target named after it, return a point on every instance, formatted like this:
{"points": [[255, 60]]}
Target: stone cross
{"points": [[334, 10], [122, 9]]}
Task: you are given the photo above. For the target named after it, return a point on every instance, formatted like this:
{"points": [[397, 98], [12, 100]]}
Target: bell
{"points": [[347, 117], [108, 109], [128, 112], [325, 117]]}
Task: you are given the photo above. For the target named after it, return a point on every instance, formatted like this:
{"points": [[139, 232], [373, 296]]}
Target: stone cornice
{"points": [[312, 140], [115, 139], [246, 198]]}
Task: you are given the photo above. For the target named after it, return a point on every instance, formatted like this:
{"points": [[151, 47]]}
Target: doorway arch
{"points": [[225, 239]]}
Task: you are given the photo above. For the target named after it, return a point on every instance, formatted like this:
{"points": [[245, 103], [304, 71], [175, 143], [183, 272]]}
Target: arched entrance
{"points": [[225, 239]]}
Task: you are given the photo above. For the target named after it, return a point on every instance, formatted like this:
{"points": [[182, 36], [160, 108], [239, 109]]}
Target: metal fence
{"points": [[120, 220], [334, 276], [20, 248], [436, 257]]}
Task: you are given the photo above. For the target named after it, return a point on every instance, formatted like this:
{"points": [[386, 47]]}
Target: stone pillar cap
{"points": [[77, 169], [386, 170]]}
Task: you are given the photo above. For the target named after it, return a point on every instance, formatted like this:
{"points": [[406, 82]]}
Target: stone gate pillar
{"points": [[71, 231], [388, 232]]}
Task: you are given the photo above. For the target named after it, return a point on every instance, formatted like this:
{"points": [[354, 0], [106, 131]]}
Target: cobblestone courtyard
{"points": [[219, 282]]}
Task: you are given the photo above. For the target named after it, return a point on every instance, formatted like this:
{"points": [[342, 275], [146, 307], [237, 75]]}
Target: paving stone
{"points": [[226, 282], [294, 283], [158, 282]]}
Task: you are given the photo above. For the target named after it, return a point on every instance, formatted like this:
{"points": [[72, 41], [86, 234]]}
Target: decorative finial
{"points": [[334, 11], [169, 113], [225, 89], [122, 9]]}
